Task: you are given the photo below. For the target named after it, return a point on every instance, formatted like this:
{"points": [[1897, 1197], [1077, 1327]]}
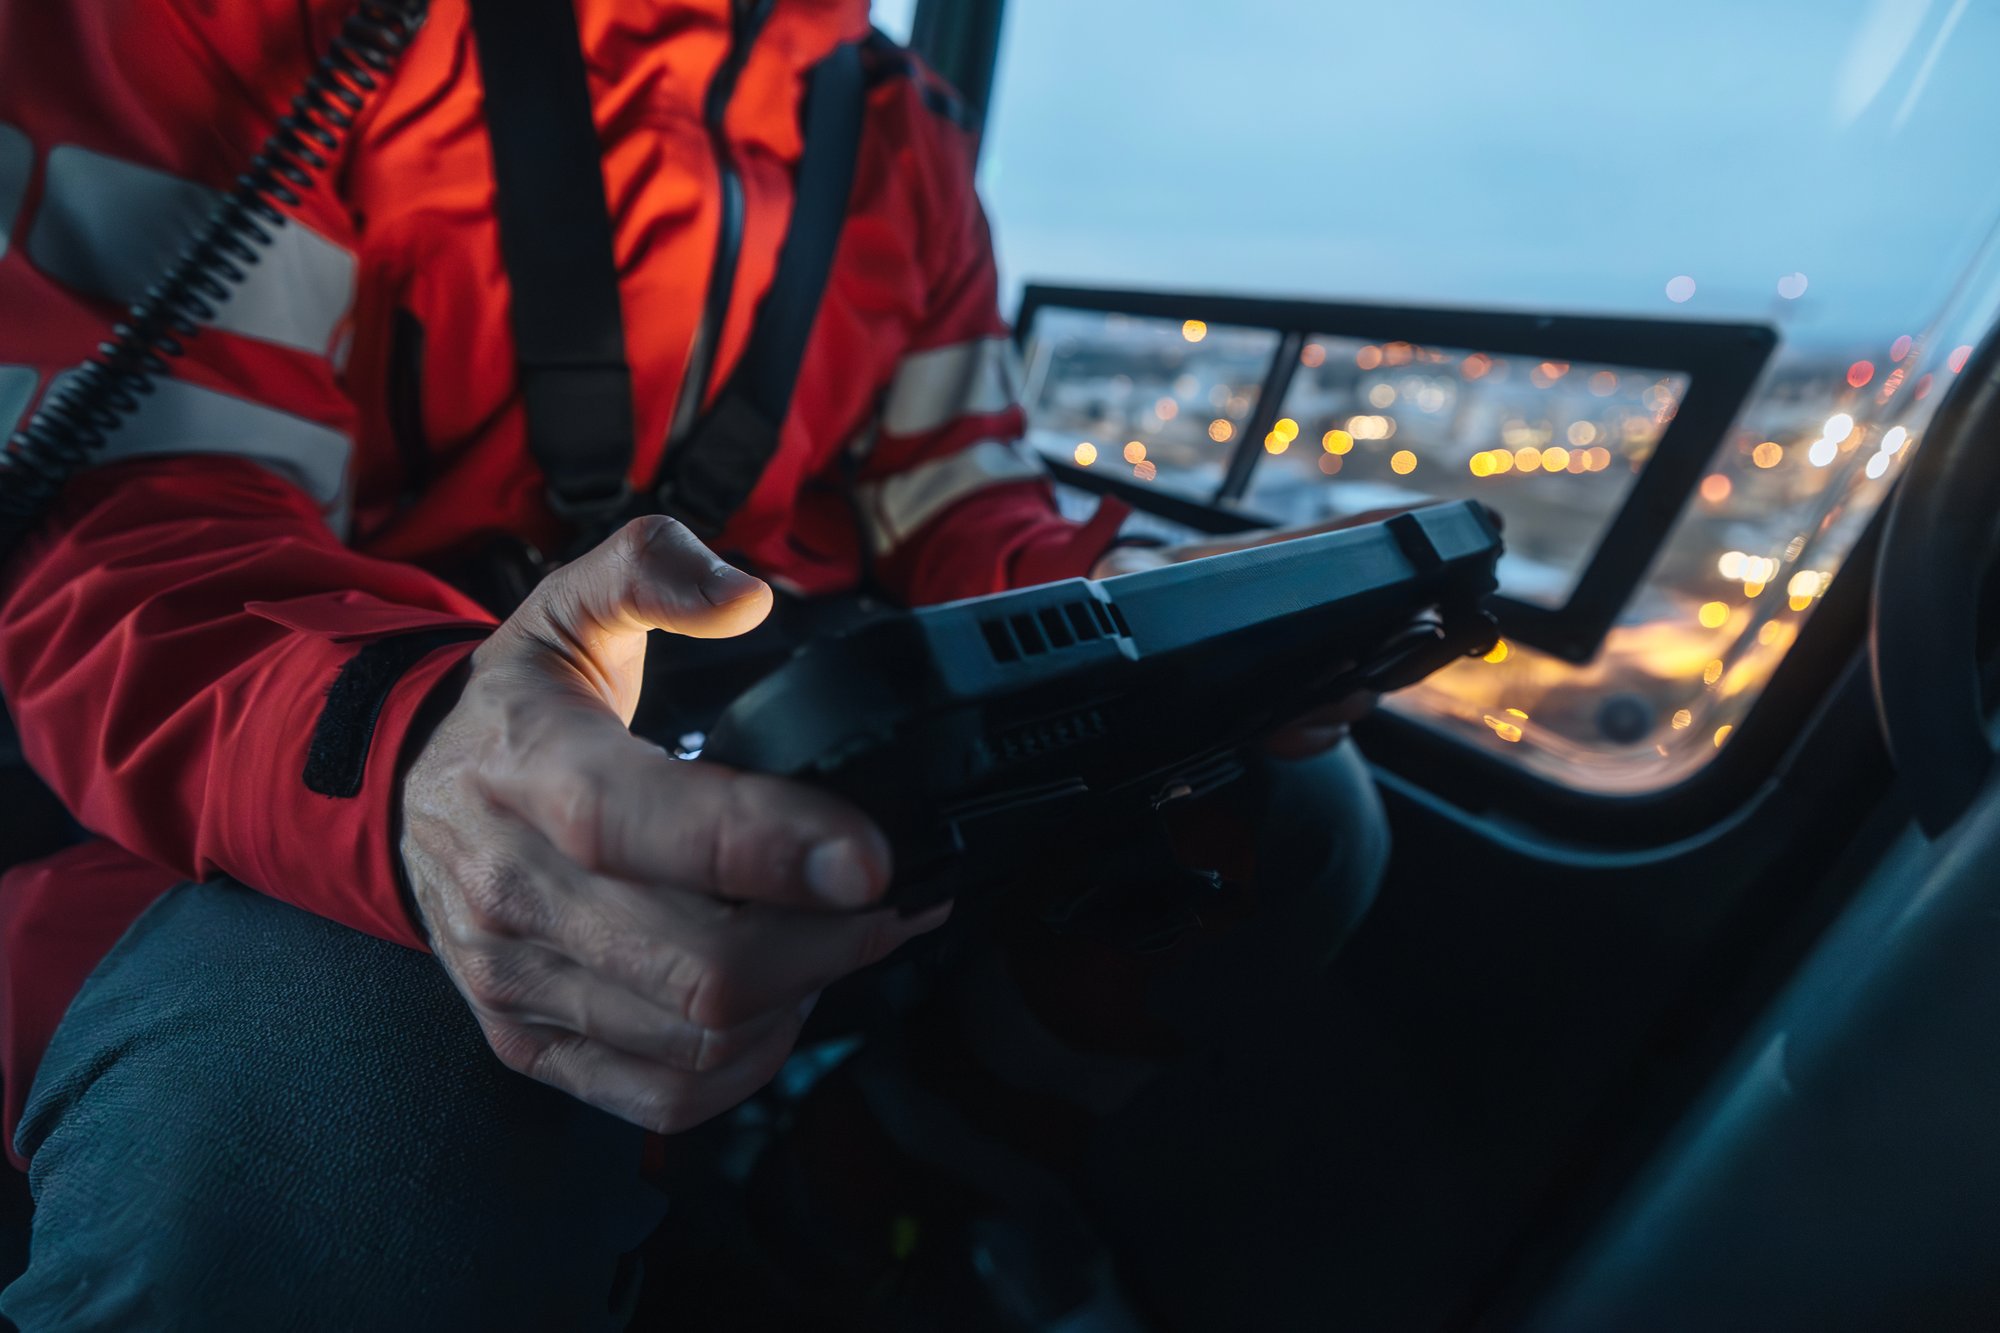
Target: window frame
{"points": [[1822, 668], [1722, 362], [960, 39], [1827, 664]]}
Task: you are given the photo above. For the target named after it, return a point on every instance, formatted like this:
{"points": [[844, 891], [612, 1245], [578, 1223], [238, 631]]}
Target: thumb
{"points": [[651, 574]]}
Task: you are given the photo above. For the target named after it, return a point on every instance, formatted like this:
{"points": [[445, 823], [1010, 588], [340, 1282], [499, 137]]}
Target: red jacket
{"points": [[168, 638]]}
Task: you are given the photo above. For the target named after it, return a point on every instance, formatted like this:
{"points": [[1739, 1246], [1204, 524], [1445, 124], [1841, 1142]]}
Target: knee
{"points": [[1323, 848], [1322, 845], [252, 1110]]}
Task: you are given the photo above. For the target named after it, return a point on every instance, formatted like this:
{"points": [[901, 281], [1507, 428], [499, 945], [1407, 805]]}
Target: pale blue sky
{"points": [[1553, 154]]}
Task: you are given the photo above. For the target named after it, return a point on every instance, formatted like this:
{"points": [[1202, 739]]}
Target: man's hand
{"points": [[645, 933], [1321, 729]]}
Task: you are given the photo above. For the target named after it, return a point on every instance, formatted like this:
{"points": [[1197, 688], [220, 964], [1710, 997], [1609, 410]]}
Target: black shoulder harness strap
{"points": [[711, 473], [555, 233], [555, 237]]}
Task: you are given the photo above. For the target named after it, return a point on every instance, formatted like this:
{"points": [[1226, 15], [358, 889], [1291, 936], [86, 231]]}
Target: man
{"points": [[245, 1095]]}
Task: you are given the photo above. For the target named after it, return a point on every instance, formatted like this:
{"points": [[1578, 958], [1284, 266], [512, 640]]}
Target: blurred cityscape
{"points": [[1553, 446]]}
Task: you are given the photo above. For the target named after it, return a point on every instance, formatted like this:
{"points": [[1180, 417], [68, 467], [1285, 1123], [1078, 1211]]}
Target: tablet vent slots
{"points": [[1051, 629], [1032, 740]]}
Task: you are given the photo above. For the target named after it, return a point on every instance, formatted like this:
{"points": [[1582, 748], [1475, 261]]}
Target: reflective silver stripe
{"points": [[896, 507], [111, 228], [179, 418], [934, 388], [17, 157], [17, 390]]}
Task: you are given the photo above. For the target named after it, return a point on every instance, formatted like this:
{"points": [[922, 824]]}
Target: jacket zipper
{"points": [[746, 19]]}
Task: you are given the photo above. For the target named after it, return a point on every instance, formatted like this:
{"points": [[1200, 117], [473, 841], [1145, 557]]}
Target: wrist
{"points": [[437, 704]]}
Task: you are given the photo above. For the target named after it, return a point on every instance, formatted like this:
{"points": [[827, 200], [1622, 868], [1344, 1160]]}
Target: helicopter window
{"points": [[893, 17], [1794, 167], [1402, 424], [1164, 400]]}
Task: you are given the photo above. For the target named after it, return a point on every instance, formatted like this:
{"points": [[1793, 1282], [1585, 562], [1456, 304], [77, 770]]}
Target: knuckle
{"points": [[611, 820], [660, 970], [454, 933], [549, 1062], [581, 825], [487, 899], [500, 981], [716, 1047], [632, 540], [708, 845], [498, 899], [665, 1108], [711, 1050], [517, 1047], [641, 541], [715, 996], [514, 731], [743, 851]]}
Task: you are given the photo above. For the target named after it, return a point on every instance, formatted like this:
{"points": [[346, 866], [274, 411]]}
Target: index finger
{"points": [[618, 806]]}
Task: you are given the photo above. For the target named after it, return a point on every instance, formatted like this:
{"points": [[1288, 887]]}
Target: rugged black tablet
{"points": [[979, 731]]}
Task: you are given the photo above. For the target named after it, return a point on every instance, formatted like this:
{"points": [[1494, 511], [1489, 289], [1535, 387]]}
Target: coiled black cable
{"points": [[77, 418]]}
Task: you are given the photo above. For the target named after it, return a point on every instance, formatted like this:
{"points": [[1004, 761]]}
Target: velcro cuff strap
{"points": [[338, 756]]}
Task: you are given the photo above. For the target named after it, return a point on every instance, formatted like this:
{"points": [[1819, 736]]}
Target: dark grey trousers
{"points": [[251, 1118], [255, 1119]]}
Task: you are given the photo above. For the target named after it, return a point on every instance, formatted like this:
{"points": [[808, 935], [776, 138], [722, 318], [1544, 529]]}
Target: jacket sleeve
{"points": [[953, 502], [196, 662]]}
